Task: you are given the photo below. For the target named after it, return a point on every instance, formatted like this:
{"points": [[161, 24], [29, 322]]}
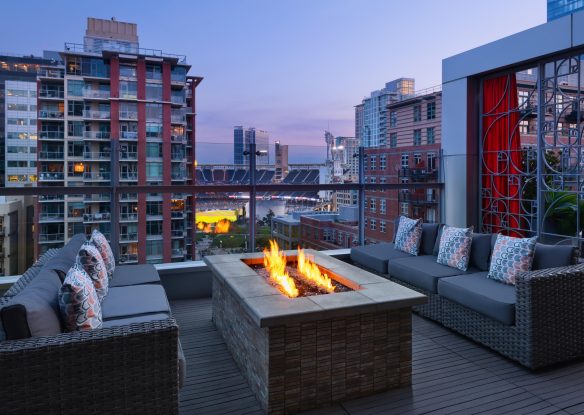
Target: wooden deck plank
{"points": [[451, 375]]}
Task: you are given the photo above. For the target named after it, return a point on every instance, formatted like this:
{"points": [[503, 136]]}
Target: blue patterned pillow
{"points": [[510, 257], [409, 235], [91, 261], [455, 246], [101, 243], [78, 302]]}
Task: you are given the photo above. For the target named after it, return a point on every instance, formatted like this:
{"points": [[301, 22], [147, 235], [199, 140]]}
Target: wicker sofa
{"points": [[133, 364], [538, 322]]}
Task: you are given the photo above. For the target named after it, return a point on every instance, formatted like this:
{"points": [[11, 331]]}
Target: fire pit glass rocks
{"points": [[308, 330]]}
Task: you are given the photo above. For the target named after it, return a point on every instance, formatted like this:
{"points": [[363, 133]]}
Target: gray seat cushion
{"points": [[66, 256], [423, 271], [429, 234], [481, 294], [552, 256], [34, 311], [134, 301], [376, 256], [125, 275]]}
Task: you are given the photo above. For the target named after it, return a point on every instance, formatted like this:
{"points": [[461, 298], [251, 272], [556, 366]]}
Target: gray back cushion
{"points": [[65, 259], [480, 251], [395, 226], [34, 311], [437, 243], [551, 256], [429, 233]]}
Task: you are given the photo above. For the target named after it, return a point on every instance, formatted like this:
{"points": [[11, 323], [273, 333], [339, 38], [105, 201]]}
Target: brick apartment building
{"points": [[113, 94], [410, 155]]}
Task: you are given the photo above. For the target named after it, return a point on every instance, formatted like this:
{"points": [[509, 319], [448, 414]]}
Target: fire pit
{"points": [[308, 330]]}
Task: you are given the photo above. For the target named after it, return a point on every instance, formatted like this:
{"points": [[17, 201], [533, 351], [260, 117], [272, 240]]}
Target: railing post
{"points": [[252, 194], [361, 198], [114, 202]]}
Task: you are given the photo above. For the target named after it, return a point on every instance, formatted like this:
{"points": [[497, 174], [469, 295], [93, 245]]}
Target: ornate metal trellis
{"points": [[536, 185]]}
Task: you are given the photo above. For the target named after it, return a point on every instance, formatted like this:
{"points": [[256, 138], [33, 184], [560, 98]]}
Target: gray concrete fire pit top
{"points": [[268, 307]]}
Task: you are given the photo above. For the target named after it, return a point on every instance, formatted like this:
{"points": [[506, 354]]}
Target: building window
{"points": [[373, 224], [154, 171], [154, 72], [129, 89], [417, 159], [405, 208], [382, 162], [431, 139], [417, 137], [393, 119], [393, 140], [382, 205], [373, 162], [382, 226], [431, 161], [431, 110], [17, 107], [523, 96], [373, 205], [154, 112], [523, 127], [405, 160], [154, 150], [153, 91], [417, 113], [127, 71], [75, 88]]}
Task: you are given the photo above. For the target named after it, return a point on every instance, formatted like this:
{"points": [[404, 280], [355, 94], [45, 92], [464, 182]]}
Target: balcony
{"points": [[96, 115], [128, 156], [128, 115], [100, 217], [51, 237], [96, 94], [129, 176], [51, 155], [51, 176], [179, 176], [51, 135], [128, 217], [178, 139], [51, 73], [419, 175], [99, 198], [97, 176], [178, 119], [51, 115], [128, 259], [177, 253], [178, 233], [97, 155], [129, 237], [48, 217], [128, 197], [129, 135], [52, 94], [51, 198], [97, 135], [418, 200], [177, 215]]}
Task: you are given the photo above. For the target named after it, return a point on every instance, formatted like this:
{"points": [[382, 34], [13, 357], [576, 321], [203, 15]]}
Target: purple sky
{"points": [[292, 67]]}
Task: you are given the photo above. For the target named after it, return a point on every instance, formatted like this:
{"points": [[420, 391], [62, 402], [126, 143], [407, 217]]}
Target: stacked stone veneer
{"points": [[305, 365]]}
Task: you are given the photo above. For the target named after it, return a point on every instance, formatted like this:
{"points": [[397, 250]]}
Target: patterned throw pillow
{"points": [[91, 261], [455, 246], [105, 250], [510, 257], [409, 235], [78, 302]]}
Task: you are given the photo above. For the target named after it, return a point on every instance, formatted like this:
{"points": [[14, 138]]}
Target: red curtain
{"points": [[501, 156]]}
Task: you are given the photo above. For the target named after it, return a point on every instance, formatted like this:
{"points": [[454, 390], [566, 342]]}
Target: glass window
{"points": [[75, 128], [431, 161], [75, 88], [153, 149], [127, 71], [17, 163], [393, 119], [417, 159], [154, 72], [405, 161], [75, 108], [153, 91], [17, 107], [128, 89], [178, 73], [417, 113], [431, 110], [154, 111], [430, 135], [153, 171], [393, 140], [17, 121], [16, 93], [417, 137], [153, 130]]}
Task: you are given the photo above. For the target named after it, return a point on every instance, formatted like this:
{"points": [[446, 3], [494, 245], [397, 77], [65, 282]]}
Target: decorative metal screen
{"points": [[532, 170]]}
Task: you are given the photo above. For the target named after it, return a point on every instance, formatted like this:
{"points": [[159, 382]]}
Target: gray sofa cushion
{"points": [[125, 275], [480, 251], [376, 256], [437, 242], [34, 311], [423, 271], [481, 294], [395, 226], [134, 301], [551, 256], [429, 234], [66, 256]]}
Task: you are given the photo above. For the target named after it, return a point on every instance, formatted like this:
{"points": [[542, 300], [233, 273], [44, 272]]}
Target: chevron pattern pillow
{"points": [[80, 308]]}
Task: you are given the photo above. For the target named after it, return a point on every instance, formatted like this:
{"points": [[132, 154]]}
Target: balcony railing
{"points": [[129, 176], [51, 73], [51, 135], [128, 258], [129, 237], [96, 217], [51, 237], [177, 252], [51, 114], [96, 114], [177, 215], [97, 135], [178, 119], [128, 217], [95, 93], [52, 216], [51, 198], [51, 155], [178, 233], [96, 155], [97, 198], [128, 197], [128, 115], [129, 155], [129, 135], [51, 176], [97, 177], [52, 93], [178, 139]]}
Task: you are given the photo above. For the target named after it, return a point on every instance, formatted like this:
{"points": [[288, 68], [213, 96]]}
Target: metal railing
{"points": [[129, 115], [96, 217], [97, 135], [51, 135], [51, 73], [51, 114], [51, 155], [97, 176], [96, 155], [96, 93], [96, 114], [58, 93], [128, 155], [129, 135]]}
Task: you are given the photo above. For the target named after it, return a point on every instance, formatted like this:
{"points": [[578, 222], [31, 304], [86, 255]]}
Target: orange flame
{"points": [[222, 226], [204, 227], [275, 263], [311, 272]]}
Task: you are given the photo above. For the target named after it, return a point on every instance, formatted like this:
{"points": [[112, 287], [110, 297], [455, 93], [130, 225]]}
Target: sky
{"points": [[292, 67]]}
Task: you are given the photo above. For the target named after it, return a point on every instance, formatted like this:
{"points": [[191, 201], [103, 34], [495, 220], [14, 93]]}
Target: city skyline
{"points": [[283, 71]]}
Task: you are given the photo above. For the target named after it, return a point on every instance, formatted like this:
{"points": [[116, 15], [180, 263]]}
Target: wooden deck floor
{"points": [[452, 375]]}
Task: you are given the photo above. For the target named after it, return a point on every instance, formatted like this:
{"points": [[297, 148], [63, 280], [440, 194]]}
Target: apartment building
{"points": [[410, 155], [118, 114], [243, 137]]}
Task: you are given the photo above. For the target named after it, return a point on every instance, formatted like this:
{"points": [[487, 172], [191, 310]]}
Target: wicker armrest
{"points": [[550, 311], [126, 369]]}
